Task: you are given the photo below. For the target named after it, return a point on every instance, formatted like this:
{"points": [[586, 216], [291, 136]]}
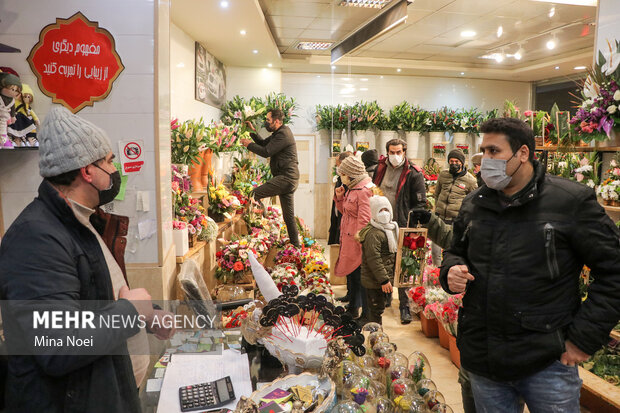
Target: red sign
{"points": [[75, 62], [132, 150]]}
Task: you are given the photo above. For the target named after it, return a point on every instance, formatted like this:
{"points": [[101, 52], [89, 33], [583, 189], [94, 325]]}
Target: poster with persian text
{"points": [[75, 62], [210, 78]]}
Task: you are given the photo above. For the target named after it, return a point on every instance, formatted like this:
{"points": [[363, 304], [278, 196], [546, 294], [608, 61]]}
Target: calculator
{"points": [[206, 395]]}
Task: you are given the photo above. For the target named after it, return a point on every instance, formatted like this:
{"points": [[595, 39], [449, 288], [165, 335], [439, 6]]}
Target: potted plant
{"points": [[388, 125], [187, 143], [441, 121], [280, 101], [364, 117]]}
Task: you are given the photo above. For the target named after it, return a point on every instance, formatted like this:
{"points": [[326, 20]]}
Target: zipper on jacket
{"points": [[445, 212], [466, 232], [552, 262]]}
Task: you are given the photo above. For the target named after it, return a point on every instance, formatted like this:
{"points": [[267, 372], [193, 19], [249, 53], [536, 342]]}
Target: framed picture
{"points": [[210, 78], [410, 257]]}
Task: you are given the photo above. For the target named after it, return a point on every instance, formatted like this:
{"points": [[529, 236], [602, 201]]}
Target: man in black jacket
{"points": [[402, 183], [519, 245], [61, 252], [281, 148]]}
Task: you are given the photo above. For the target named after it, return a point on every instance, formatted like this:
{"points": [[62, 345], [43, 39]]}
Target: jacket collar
{"points": [[492, 199]]}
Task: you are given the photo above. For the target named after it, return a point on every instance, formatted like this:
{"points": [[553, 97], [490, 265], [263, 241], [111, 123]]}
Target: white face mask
{"points": [[493, 172], [395, 160], [384, 217]]}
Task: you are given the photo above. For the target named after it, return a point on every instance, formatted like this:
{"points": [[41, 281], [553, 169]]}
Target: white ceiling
{"points": [[429, 43]]}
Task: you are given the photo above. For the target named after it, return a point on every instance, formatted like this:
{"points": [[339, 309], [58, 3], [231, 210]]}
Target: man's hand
{"points": [[339, 192], [573, 355], [250, 125], [140, 298], [387, 288], [245, 142], [458, 275], [161, 327]]}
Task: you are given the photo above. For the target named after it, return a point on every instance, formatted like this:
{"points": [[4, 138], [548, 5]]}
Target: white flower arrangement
{"points": [[609, 192]]}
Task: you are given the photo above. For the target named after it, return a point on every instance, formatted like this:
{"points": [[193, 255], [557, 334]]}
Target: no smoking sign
{"points": [[131, 156]]}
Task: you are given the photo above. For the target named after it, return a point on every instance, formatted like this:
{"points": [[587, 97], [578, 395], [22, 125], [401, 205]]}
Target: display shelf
{"points": [[598, 395], [567, 149], [197, 247], [611, 208]]}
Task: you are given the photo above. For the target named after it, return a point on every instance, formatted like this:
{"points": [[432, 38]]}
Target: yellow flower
{"points": [[243, 242], [186, 148]]}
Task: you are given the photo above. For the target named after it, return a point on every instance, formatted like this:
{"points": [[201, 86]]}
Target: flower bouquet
{"points": [[189, 211], [411, 257], [430, 279], [362, 146], [598, 113], [434, 298], [249, 174], [226, 138], [286, 274], [289, 254], [317, 283], [467, 121], [439, 150], [609, 191], [442, 120], [187, 140], [222, 203], [450, 313], [365, 115], [286, 105], [316, 266], [232, 261], [417, 298], [239, 111]]}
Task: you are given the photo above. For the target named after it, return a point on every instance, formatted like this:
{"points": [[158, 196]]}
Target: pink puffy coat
{"points": [[355, 210]]}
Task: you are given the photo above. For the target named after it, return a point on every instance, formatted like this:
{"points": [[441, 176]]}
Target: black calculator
{"points": [[206, 395]]}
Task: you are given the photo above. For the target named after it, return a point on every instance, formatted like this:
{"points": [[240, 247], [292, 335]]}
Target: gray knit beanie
{"points": [[457, 154], [68, 142], [352, 167]]}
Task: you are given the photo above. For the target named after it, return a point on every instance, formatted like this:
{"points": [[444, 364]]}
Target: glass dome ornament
{"points": [[384, 405], [411, 404], [442, 408], [433, 398], [425, 385], [374, 373], [347, 406], [402, 387], [376, 337], [398, 372], [419, 367], [366, 361]]}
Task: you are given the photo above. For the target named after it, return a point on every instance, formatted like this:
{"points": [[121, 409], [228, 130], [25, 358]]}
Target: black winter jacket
{"points": [[411, 191], [526, 259], [281, 148], [47, 254]]}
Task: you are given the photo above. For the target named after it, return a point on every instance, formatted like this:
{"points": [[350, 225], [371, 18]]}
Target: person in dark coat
{"points": [[281, 150], [402, 183], [476, 160], [59, 252], [519, 245], [370, 159]]}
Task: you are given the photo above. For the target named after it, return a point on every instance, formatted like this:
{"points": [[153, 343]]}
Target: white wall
{"points": [[127, 113], [428, 92], [607, 28], [248, 82]]}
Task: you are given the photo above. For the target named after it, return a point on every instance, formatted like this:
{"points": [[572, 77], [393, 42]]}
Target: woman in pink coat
{"points": [[354, 205]]}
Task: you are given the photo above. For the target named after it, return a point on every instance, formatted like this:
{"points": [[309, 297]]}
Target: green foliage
{"points": [[286, 105], [187, 140], [364, 115]]}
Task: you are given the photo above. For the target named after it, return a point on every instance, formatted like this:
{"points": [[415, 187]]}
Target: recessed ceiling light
{"points": [[318, 75], [224, 4], [462, 73], [551, 44], [551, 12], [468, 33], [375, 4], [398, 70], [269, 65], [313, 45], [346, 79], [255, 51], [363, 89], [333, 67], [557, 68], [580, 68], [500, 31], [364, 79], [242, 32], [381, 77]]}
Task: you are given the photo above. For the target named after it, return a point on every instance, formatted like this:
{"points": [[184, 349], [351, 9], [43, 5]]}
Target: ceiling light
{"points": [[255, 51], [551, 12], [381, 77], [333, 67], [269, 65], [398, 70], [591, 3], [318, 75], [224, 4], [346, 91], [499, 57], [580, 68], [462, 73], [557, 68], [264, 69], [364, 79], [375, 4], [242, 32], [363, 89], [518, 54], [346, 79], [468, 33], [314, 45], [551, 44], [500, 31]]}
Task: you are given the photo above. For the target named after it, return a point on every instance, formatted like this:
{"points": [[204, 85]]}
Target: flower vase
{"points": [[219, 167], [181, 241], [345, 140], [384, 137], [444, 340], [413, 145], [612, 142], [429, 326], [195, 175], [192, 240], [361, 136], [207, 167], [455, 354], [459, 140], [476, 140]]}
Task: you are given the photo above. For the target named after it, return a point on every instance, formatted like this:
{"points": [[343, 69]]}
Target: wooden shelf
{"points": [[611, 208], [197, 247], [598, 395], [567, 148]]}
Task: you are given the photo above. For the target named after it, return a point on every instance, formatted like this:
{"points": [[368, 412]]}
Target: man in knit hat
{"points": [[453, 185], [476, 161], [63, 249]]}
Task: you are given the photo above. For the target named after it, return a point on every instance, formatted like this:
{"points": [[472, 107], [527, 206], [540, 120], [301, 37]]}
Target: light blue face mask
{"points": [[493, 172]]}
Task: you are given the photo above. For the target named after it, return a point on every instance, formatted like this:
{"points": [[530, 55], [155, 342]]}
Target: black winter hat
{"points": [[370, 158], [457, 154]]}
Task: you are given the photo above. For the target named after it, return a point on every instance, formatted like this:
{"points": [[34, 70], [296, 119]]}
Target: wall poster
{"points": [[210, 78]]}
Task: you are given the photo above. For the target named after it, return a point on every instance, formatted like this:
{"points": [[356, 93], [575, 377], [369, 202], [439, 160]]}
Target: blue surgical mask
{"points": [[493, 172]]}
